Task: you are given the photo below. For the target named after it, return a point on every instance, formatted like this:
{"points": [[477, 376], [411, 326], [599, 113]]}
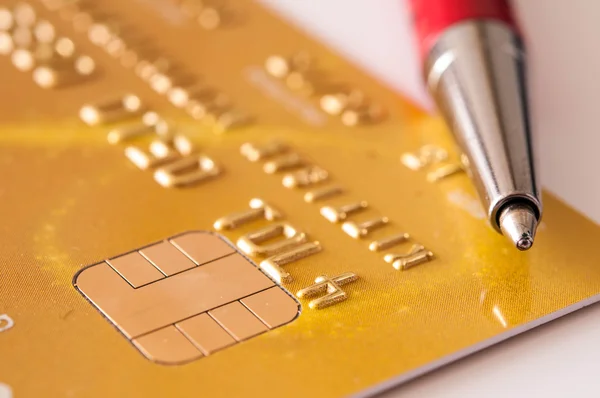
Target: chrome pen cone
{"points": [[475, 72], [518, 223]]}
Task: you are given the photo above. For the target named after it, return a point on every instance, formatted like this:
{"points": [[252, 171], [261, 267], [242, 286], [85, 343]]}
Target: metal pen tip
{"points": [[525, 243], [518, 223]]}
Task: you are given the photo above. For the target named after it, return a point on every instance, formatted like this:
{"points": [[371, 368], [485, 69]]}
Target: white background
{"points": [[562, 358]]}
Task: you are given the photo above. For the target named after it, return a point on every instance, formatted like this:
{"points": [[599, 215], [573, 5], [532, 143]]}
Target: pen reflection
{"points": [[506, 295]]}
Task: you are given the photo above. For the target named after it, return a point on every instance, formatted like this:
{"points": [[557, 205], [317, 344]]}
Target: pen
{"points": [[473, 62]]}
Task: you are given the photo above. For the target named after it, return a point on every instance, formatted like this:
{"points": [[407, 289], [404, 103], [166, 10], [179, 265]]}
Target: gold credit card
{"points": [[198, 200]]}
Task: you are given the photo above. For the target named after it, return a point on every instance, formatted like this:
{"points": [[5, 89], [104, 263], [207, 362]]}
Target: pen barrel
{"points": [[431, 18], [476, 74]]}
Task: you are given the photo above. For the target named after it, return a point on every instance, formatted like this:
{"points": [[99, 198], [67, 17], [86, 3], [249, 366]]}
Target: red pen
{"points": [[474, 63]]}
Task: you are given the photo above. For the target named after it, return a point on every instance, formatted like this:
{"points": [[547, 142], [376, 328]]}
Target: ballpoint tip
{"points": [[525, 243], [518, 223]]}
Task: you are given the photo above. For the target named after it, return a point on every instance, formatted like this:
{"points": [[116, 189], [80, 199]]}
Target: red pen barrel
{"points": [[433, 17]]}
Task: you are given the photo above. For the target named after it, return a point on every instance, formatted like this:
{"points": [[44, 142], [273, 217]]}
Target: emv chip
{"points": [[186, 297]]}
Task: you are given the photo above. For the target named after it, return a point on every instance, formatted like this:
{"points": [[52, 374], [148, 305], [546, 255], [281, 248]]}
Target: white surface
{"points": [[5, 391], [562, 358]]}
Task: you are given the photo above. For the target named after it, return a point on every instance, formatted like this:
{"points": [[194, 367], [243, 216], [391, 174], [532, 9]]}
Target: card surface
{"points": [[200, 200]]}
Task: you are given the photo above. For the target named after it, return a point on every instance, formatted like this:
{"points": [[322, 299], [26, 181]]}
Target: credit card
{"points": [[200, 200]]}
